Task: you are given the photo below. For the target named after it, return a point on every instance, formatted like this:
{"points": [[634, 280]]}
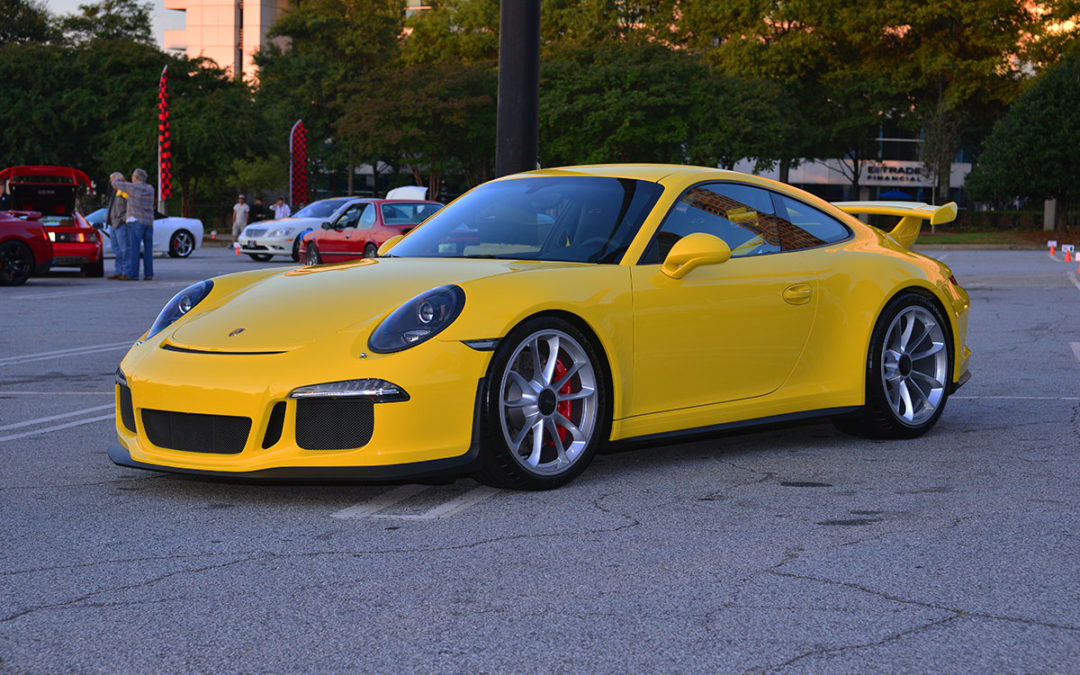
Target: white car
{"points": [[268, 238], [178, 237]]}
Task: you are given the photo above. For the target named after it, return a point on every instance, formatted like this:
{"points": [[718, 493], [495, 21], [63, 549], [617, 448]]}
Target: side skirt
{"points": [[686, 434]]}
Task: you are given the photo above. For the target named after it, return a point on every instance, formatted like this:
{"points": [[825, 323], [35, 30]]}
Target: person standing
{"points": [[280, 209], [118, 229], [258, 211], [239, 217], [140, 219]]}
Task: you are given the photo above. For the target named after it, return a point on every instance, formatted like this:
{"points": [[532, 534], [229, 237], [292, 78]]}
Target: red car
{"points": [[51, 190], [24, 247], [360, 227]]}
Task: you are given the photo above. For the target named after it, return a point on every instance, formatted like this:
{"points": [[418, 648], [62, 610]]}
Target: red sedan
{"points": [[360, 227], [24, 247], [51, 190]]}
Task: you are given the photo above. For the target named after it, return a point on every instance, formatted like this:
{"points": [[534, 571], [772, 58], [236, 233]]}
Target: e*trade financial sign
{"points": [[896, 172]]}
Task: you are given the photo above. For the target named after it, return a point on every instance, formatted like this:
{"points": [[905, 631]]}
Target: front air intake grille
{"points": [[333, 423], [274, 424], [127, 411], [194, 432]]}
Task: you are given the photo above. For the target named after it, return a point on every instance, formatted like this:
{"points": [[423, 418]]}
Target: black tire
{"points": [[181, 244], [311, 256], [16, 263], [371, 251], [94, 270], [556, 438], [902, 400], [260, 257]]}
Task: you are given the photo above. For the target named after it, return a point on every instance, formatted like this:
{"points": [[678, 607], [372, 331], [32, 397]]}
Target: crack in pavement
{"points": [[919, 603], [843, 648], [143, 584]]}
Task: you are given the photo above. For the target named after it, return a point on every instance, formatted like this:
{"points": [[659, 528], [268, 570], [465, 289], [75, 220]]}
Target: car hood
{"points": [[300, 306]]}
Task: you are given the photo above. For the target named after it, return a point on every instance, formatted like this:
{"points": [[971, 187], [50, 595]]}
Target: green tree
{"points": [[333, 47], [25, 21], [109, 20], [434, 119], [1031, 151]]}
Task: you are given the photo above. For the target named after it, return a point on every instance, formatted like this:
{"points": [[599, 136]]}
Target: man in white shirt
{"points": [[239, 218], [280, 209]]}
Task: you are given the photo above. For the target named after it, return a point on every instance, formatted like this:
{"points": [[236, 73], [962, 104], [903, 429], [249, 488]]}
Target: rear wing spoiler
{"points": [[911, 216]]}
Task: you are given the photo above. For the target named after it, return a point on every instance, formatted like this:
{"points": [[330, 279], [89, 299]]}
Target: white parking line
{"points": [[62, 353], [73, 413], [1075, 278], [1076, 350], [56, 428], [101, 291], [372, 507], [446, 509], [4, 392], [379, 503]]}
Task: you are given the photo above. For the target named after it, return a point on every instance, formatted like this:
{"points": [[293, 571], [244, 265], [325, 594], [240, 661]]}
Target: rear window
{"points": [[403, 213]]}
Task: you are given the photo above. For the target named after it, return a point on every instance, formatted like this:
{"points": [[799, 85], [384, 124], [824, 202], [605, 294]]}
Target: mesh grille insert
{"points": [[333, 424], [195, 432]]}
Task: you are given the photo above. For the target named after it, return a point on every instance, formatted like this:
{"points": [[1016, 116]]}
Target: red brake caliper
{"points": [[562, 407]]}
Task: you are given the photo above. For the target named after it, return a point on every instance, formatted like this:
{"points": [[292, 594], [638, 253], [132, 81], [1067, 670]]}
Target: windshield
{"points": [[324, 208], [568, 219]]}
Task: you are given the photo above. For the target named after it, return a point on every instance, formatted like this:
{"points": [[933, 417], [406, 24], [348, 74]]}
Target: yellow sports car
{"points": [[544, 314]]}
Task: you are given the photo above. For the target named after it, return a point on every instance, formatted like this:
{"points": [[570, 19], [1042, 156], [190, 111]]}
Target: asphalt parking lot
{"points": [[793, 549]]}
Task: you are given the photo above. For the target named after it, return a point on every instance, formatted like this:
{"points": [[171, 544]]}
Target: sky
{"points": [[161, 18]]}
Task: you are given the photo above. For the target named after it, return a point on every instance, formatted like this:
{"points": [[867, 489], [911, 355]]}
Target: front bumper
{"points": [[433, 432], [268, 245]]}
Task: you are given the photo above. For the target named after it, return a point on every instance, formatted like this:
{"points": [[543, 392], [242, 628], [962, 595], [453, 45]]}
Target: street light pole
{"points": [[518, 118]]}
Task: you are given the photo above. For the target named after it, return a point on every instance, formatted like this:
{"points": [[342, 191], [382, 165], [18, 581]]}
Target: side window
{"points": [[367, 218], [822, 228], [349, 218], [741, 215]]}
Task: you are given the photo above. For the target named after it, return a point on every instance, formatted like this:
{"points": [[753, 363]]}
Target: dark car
{"points": [[24, 247], [51, 191], [361, 227]]}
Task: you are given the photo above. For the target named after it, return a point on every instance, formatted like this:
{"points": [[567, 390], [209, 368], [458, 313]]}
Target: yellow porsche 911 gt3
{"points": [[544, 314]]}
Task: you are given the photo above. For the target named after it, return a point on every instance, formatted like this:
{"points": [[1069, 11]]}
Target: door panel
{"points": [[721, 333]]}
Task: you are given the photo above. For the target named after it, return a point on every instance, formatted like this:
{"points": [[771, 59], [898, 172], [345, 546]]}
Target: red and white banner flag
{"points": [[298, 175], [164, 142]]}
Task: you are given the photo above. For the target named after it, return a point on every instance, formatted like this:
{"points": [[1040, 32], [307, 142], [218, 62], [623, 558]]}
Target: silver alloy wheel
{"points": [[914, 365], [548, 403], [183, 244]]}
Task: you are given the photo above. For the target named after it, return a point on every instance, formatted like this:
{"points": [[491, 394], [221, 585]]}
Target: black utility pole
{"points": [[516, 127]]}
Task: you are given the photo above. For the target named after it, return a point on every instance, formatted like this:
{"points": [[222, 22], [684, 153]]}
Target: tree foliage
{"points": [[1031, 151], [23, 21], [109, 20]]}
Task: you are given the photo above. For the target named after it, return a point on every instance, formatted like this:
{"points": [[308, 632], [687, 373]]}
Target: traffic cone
{"points": [[1051, 249], [213, 235], [237, 247], [1068, 258]]}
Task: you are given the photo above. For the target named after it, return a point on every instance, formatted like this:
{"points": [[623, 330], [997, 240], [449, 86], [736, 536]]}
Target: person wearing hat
{"points": [[240, 217]]}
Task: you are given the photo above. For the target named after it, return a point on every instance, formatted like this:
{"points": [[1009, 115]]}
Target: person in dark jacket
{"points": [[118, 229]]}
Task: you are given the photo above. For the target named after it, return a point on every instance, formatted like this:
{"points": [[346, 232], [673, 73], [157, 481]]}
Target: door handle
{"points": [[797, 294]]}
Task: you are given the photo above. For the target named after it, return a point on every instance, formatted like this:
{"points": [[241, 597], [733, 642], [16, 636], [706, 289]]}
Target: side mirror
{"points": [[390, 243], [326, 226], [692, 251]]}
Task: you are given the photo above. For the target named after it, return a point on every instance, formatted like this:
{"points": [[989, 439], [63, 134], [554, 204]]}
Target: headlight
{"points": [[280, 232], [180, 305], [419, 319]]}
